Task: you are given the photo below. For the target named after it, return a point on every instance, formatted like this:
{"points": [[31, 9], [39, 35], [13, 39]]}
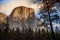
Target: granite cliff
{"points": [[23, 18], [3, 20]]}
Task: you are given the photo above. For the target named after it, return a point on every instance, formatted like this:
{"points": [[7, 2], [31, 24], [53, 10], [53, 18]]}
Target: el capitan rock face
{"points": [[23, 18]]}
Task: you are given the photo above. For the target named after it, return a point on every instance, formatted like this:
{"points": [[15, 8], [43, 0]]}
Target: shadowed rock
{"points": [[22, 17]]}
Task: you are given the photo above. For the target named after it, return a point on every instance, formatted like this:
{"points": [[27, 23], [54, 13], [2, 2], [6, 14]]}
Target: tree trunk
{"points": [[53, 36]]}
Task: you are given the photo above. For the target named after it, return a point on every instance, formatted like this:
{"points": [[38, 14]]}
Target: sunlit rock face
{"points": [[22, 17], [3, 20]]}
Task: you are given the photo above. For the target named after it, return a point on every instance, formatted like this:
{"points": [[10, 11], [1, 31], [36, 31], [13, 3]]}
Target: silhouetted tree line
{"points": [[8, 34]]}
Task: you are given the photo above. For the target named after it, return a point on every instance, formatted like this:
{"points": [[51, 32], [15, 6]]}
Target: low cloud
{"points": [[35, 1]]}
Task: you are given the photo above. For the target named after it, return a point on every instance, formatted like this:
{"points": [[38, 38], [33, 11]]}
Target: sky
{"points": [[6, 6]]}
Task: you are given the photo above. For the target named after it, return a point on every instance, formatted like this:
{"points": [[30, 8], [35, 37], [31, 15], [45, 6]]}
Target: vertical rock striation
{"points": [[23, 18]]}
